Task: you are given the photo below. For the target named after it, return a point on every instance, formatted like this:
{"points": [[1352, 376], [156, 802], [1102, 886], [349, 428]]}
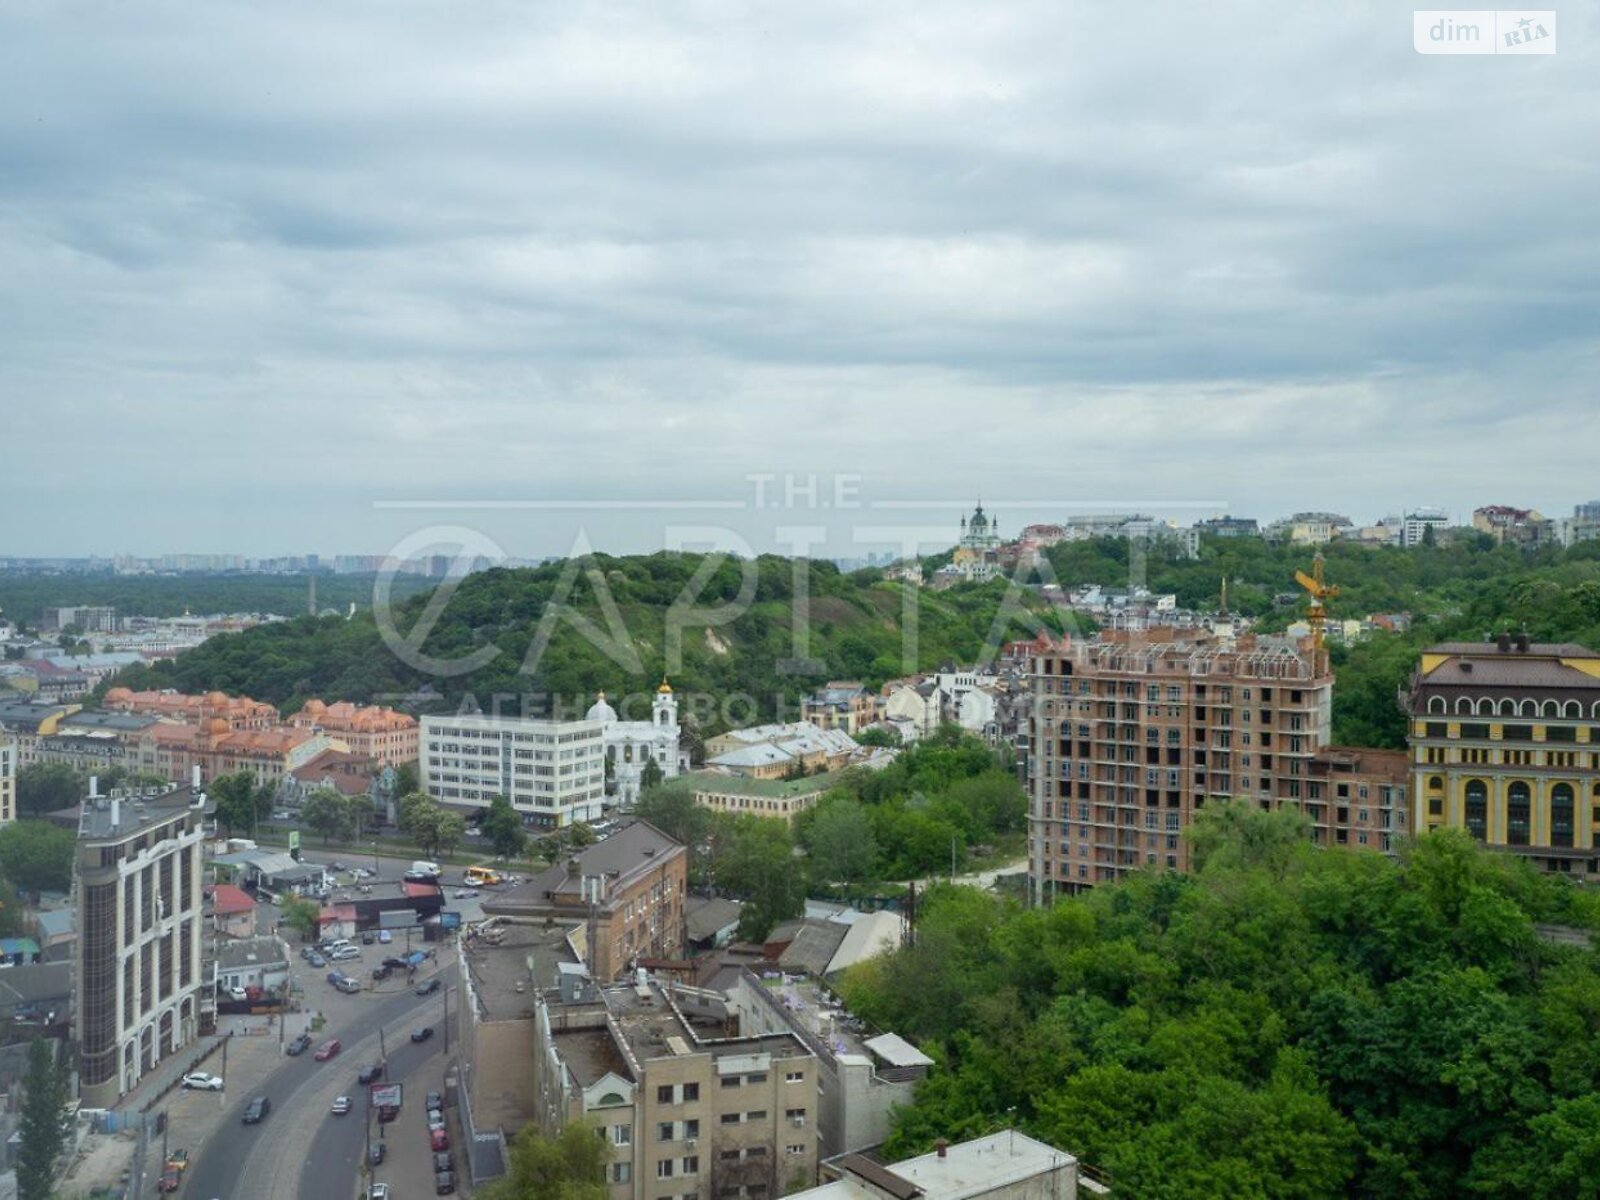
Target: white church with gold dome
{"points": [[629, 745]]}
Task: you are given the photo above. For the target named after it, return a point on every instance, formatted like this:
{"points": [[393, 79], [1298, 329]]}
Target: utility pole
{"points": [[383, 1053], [368, 1125], [221, 1096], [447, 1020]]}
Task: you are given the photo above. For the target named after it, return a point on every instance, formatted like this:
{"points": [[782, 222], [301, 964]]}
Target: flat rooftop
{"points": [[968, 1169], [528, 955], [131, 815], [819, 1012]]}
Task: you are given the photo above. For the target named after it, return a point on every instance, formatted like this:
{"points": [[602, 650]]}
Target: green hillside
{"points": [[855, 629]]}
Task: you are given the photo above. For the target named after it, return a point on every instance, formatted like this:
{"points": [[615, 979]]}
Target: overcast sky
{"points": [[265, 268]]}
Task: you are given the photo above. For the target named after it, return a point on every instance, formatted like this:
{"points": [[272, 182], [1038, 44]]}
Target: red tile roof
{"points": [[230, 900]]}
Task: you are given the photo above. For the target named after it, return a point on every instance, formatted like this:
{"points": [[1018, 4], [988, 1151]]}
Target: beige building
{"points": [[779, 799], [1132, 733], [140, 976], [387, 737], [777, 750], [8, 780], [846, 706], [689, 1107], [1007, 1165], [1505, 743], [627, 892]]}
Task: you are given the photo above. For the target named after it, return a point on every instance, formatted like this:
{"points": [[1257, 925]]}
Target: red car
{"points": [[328, 1049], [169, 1180], [439, 1140]]}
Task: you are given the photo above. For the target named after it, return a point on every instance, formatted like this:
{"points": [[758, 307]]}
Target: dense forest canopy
{"points": [[1287, 1022], [574, 628], [24, 597]]}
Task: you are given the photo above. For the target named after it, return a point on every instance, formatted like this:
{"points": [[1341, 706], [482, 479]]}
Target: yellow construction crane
{"points": [[1319, 591]]}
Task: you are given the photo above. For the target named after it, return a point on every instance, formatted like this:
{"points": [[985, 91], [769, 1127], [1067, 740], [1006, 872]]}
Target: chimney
{"points": [[942, 1148], [116, 813], [194, 777], [1522, 642], [94, 787], [1503, 642]]}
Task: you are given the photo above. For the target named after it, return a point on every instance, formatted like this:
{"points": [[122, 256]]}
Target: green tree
{"points": [[37, 855], [503, 827], [569, 1166], [879, 735], [331, 814], [44, 1122], [406, 779], [435, 830], [753, 860], [841, 843], [670, 807], [11, 910], [300, 915], [240, 803], [650, 776], [48, 787]]}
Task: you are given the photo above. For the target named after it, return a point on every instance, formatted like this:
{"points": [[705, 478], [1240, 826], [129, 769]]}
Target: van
{"points": [[423, 867], [482, 877]]}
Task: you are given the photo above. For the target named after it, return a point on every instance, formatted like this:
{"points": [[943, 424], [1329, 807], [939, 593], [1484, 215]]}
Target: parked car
{"points": [[257, 1111], [376, 1154], [444, 1161], [344, 952], [382, 972], [316, 960], [370, 1074], [341, 1106], [201, 1082], [388, 1112], [348, 985], [435, 1102], [435, 1119], [444, 1182], [328, 1049], [422, 1033], [427, 987], [178, 1160], [170, 1179], [336, 865], [378, 1191], [368, 937], [466, 893], [396, 962], [385, 936], [234, 993], [298, 1045], [438, 1139], [334, 976]]}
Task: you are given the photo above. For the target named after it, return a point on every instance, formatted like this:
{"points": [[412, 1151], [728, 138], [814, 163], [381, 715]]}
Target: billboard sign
{"points": [[385, 1095]]}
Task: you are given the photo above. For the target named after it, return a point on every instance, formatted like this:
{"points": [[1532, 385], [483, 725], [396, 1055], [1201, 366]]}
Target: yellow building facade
{"points": [[1505, 743]]}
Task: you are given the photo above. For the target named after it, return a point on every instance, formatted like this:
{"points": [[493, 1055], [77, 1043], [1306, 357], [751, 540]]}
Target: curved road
{"points": [[301, 1150]]}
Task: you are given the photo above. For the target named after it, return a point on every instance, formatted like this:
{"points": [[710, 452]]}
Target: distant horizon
{"points": [[869, 514]]}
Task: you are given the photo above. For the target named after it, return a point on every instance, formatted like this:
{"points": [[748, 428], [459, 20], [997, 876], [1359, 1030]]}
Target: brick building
{"points": [[1132, 733]]}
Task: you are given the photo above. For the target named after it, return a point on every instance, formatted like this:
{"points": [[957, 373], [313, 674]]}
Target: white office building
{"points": [[1414, 529], [8, 779], [552, 772]]}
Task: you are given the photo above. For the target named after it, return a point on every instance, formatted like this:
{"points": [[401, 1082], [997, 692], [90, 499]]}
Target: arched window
{"points": [[1435, 782], [1562, 807], [1463, 706], [1477, 794], [1436, 704], [1519, 814]]}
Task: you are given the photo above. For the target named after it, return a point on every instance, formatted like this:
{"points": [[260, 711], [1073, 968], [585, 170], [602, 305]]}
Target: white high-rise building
{"points": [[552, 772], [1414, 529]]}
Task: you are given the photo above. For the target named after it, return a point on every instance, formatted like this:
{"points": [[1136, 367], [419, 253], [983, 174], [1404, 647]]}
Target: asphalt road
{"points": [[301, 1150]]}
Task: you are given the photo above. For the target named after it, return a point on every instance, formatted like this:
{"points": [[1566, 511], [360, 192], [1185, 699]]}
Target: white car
{"points": [[200, 1081], [378, 1191], [237, 993], [344, 952], [341, 1105]]}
